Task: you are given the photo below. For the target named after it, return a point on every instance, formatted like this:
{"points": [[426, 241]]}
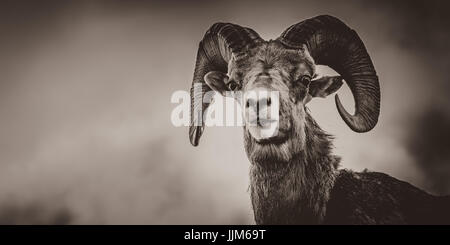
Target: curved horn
{"points": [[221, 42], [332, 43]]}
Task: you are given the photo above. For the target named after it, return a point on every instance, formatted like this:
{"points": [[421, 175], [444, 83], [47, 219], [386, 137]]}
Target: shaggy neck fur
{"points": [[296, 192]]}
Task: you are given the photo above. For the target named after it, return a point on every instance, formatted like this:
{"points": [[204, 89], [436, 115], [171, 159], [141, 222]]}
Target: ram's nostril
{"points": [[269, 101], [232, 86], [247, 104]]}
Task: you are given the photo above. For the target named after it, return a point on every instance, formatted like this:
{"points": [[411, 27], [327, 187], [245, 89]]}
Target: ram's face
{"points": [[275, 83]]}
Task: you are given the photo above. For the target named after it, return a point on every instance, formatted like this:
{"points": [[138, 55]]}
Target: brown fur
{"points": [[290, 179], [294, 191], [293, 172]]}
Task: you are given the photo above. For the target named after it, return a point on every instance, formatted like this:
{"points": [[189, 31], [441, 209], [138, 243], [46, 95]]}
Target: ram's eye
{"points": [[233, 86], [305, 80]]}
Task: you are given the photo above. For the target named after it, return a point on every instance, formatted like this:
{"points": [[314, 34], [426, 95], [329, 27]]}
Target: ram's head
{"points": [[231, 57]]}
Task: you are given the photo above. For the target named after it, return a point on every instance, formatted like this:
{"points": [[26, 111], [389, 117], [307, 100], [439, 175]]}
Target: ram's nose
{"points": [[261, 112]]}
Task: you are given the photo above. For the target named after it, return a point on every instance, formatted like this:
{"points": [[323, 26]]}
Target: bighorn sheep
{"points": [[294, 176]]}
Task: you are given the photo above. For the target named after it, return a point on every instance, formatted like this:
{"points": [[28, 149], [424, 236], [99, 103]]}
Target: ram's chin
{"points": [[267, 151], [270, 153]]}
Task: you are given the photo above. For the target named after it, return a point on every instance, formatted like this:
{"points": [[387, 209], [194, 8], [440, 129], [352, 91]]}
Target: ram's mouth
{"points": [[281, 136], [263, 123], [269, 132]]}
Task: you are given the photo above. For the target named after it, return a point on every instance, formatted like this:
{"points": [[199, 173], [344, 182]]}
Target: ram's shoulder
{"points": [[377, 198], [369, 184]]}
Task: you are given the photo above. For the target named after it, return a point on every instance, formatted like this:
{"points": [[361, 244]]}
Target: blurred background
{"points": [[85, 88]]}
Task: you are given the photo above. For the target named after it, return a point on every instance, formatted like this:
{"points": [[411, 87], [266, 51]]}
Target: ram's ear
{"points": [[324, 86], [217, 81]]}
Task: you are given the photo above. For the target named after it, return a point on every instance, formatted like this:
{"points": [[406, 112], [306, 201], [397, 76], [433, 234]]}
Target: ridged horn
{"points": [[220, 44], [332, 43]]}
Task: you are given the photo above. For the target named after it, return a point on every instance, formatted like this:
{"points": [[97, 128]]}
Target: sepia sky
{"points": [[85, 88]]}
